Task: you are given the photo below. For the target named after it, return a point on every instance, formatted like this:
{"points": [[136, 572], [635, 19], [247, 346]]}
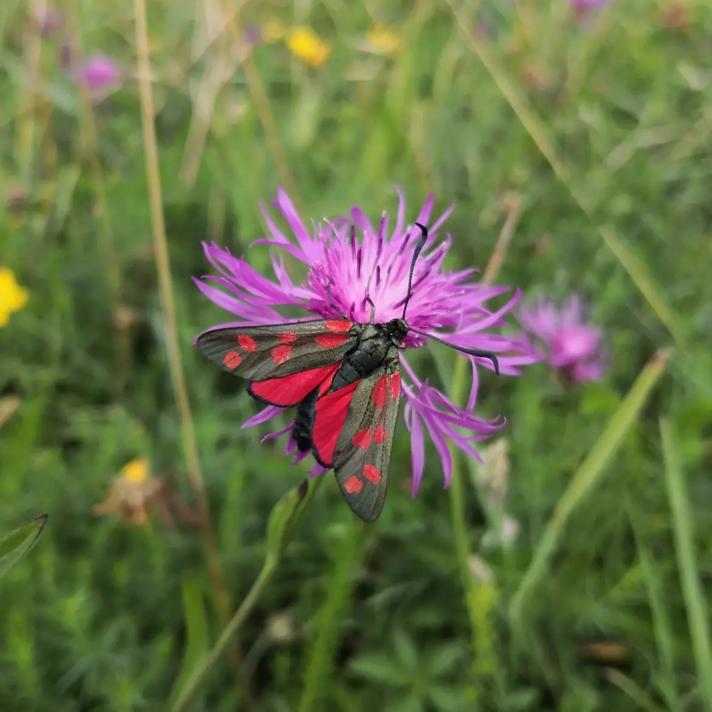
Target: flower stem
{"points": [[480, 627], [160, 247], [281, 521]]}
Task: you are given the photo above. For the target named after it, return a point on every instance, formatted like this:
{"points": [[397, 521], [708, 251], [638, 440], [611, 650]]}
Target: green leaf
{"points": [[379, 667], [447, 699], [18, 542], [280, 517], [405, 649], [444, 658], [197, 639]]}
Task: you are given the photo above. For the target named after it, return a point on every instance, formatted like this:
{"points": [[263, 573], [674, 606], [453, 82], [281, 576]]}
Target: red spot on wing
{"points": [[353, 485], [362, 438], [331, 341], [331, 413], [395, 384], [280, 354], [340, 327], [232, 359], [290, 390], [380, 392], [246, 343], [372, 474], [379, 435], [288, 337]]}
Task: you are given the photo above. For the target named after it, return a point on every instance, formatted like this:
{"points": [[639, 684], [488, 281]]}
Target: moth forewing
{"points": [[261, 352]]}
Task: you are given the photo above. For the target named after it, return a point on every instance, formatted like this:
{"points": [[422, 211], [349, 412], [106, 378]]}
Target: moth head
{"points": [[397, 329]]}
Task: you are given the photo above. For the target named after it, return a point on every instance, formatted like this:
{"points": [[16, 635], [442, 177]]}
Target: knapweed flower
{"points": [[98, 74], [13, 297], [382, 41], [308, 47], [570, 343], [360, 270]]}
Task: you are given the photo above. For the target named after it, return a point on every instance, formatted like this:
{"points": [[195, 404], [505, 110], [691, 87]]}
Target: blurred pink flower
{"points": [[570, 343], [581, 6], [99, 73], [48, 20]]}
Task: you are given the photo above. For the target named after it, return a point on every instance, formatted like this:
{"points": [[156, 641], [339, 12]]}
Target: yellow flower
{"points": [[135, 471], [306, 45], [382, 40], [273, 31], [12, 296], [132, 491]]}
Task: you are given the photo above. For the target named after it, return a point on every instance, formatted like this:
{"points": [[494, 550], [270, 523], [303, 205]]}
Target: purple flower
{"points": [[582, 6], [349, 260], [99, 73], [49, 20], [571, 344]]}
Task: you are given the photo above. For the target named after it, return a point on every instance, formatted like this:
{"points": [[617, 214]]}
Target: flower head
{"points": [[99, 74], [571, 344], [582, 6], [131, 492], [48, 19], [134, 491], [13, 297], [307, 46], [381, 40], [361, 270]]}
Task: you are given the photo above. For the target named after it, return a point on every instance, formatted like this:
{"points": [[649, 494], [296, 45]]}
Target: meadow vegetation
{"points": [[571, 571]]}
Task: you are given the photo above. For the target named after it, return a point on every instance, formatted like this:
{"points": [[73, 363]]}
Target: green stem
{"points": [[479, 596], [199, 675], [689, 578], [281, 522]]}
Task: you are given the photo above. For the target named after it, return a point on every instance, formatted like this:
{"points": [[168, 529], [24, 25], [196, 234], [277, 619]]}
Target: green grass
{"points": [[599, 129]]}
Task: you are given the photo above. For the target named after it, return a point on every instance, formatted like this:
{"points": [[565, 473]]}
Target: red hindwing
{"points": [[353, 432]]}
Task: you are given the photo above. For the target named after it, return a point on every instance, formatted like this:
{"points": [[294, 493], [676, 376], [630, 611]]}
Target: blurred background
{"points": [[571, 571]]}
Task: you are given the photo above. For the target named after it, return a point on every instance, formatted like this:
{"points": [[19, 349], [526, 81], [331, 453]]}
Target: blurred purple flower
{"points": [[581, 6], [99, 73], [571, 344], [349, 259], [253, 35], [48, 20]]}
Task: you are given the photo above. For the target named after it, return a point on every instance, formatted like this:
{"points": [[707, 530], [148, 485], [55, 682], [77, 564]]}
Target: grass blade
{"points": [[197, 636], [587, 477], [635, 267], [17, 543], [689, 577]]}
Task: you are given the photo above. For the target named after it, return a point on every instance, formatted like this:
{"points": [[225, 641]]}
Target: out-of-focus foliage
{"points": [[110, 615]]}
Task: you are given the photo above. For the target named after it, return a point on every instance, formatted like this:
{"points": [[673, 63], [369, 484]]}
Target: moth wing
{"points": [[362, 452], [259, 353]]}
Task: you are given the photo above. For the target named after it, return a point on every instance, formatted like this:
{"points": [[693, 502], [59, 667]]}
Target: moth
{"points": [[344, 379]]}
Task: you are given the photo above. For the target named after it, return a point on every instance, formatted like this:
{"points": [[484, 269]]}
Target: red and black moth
{"points": [[344, 379]]}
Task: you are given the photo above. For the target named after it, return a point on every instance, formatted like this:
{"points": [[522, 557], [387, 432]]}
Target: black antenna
{"points": [[418, 247], [470, 352]]}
